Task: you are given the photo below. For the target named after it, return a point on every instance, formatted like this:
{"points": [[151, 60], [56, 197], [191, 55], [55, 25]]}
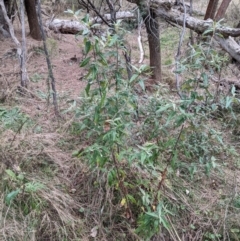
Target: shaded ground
{"points": [[38, 152], [65, 56]]}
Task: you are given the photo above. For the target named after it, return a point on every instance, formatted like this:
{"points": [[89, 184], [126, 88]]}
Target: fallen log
{"points": [[74, 27], [230, 46], [197, 25], [65, 26], [119, 15], [223, 35], [164, 9]]}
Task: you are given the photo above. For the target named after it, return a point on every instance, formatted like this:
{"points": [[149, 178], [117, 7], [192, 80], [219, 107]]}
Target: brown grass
{"points": [[75, 199]]}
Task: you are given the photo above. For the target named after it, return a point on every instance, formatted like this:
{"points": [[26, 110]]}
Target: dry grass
{"points": [[55, 211], [75, 200]]}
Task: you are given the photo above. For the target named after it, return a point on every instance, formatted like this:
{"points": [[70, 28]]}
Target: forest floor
{"points": [[42, 149]]}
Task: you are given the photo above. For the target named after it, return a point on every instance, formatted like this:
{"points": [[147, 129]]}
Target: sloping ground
{"points": [[65, 52], [47, 194], [31, 145]]}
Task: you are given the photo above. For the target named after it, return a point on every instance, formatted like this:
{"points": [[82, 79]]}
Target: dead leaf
{"points": [[94, 232]]}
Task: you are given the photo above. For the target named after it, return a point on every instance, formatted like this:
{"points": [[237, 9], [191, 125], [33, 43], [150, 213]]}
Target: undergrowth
{"points": [[157, 163], [143, 165]]}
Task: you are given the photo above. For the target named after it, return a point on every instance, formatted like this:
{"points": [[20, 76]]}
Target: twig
{"points": [[179, 51], [122, 187], [20, 51], [94, 9], [24, 76], [4, 222], [127, 56], [191, 32], [50, 71], [18, 132]]}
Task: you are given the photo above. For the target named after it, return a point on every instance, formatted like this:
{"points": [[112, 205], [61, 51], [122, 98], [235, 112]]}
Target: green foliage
{"points": [[140, 142], [21, 193], [36, 77], [150, 222], [13, 118]]}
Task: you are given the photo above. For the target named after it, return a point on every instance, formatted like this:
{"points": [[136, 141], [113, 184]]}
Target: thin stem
{"points": [[50, 71]]}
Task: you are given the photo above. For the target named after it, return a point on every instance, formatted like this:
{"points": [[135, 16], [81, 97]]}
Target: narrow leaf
{"points": [[11, 196], [85, 62]]}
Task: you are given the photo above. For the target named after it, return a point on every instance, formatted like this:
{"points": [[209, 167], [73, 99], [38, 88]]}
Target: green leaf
{"points": [[10, 196], [20, 177], [77, 13], [33, 186], [85, 62], [111, 177], [163, 108], [88, 46], [207, 31], [141, 83], [11, 174], [102, 60], [75, 153], [228, 101], [133, 78], [151, 214], [69, 11], [86, 18], [96, 25], [85, 31], [93, 72], [87, 88], [235, 230], [97, 46], [233, 90], [131, 199]]}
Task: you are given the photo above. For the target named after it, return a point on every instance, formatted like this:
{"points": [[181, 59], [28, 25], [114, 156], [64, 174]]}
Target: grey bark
{"points": [[50, 71], [223, 34], [24, 77], [74, 27]]}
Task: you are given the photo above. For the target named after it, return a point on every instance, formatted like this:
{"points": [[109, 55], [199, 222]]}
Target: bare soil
{"points": [[65, 57]]}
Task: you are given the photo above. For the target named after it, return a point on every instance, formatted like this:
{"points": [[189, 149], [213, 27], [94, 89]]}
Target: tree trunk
{"points": [[150, 19], [33, 20], [211, 9], [222, 9], [50, 70], [24, 77], [10, 6], [152, 28]]}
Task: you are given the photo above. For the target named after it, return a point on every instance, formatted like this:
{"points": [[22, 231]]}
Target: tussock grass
{"points": [[50, 213], [76, 201]]}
